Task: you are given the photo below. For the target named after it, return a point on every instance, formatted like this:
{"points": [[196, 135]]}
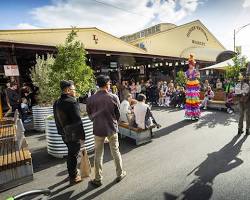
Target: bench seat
{"points": [[7, 131], [139, 135], [15, 164], [218, 101]]}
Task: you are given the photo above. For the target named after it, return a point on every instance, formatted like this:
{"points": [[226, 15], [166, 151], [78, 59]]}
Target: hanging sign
{"points": [[11, 70], [141, 69]]}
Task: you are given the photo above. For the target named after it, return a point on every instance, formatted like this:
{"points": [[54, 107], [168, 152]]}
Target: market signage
{"points": [[197, 28], [113, 64], [199, 42], [11, 70], [142, 69]]}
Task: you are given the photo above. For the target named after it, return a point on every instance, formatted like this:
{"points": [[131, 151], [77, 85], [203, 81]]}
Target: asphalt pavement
{"points": [[185, 160]]}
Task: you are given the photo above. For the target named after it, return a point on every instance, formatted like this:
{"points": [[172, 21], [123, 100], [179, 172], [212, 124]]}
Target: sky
{"points": [[121, 17]]}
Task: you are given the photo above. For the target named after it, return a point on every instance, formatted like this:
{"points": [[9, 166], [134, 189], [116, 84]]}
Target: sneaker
{"points": [[230, 111], [75, 180], [204, 108], [96, 183], [122, 176], [158, 126]]}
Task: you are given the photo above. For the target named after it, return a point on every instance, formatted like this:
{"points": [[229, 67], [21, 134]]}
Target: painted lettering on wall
{"points": [[199, 42], [95, 39], [198, 28]]}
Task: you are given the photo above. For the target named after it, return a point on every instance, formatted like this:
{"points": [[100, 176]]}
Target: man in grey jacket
{"points": [[103, 110]]}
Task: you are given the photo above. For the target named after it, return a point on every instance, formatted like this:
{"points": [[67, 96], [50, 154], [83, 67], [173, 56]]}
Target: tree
{"points": [[70, 64], [233, 71], [40, 76], [181, 78]]}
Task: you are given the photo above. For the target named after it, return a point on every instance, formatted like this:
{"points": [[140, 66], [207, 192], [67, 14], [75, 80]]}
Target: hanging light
{"points": [[176, 64], [170, 64], [161, 64], [166, 63]]}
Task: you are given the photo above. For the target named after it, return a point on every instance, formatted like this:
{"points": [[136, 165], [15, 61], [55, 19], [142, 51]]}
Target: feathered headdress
{"points": [[191, 60]]}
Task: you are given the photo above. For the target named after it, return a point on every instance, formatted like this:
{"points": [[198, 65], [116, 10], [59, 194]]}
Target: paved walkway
{"points": [[185, 160]]}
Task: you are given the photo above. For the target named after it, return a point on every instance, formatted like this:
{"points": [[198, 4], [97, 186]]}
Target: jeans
{"points": [[73, 151], [99, 151]]}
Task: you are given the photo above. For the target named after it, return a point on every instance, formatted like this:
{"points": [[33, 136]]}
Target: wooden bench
{"points": [[7, 131], [15, 165], [15, 159], [218, 101], [139, 135]]}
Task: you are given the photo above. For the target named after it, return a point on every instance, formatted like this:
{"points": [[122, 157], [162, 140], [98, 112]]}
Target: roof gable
{"points": [[92, 38]]}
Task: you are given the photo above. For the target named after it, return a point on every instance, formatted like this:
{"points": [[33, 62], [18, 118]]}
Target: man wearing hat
{"points": [[242, 92]]}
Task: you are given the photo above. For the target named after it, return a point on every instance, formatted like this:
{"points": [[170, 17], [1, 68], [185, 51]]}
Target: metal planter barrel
{"points": [[39, 114], [55, 144]]}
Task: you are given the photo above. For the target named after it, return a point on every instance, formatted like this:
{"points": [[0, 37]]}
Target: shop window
{"points": [[158, 29], [153, 29], [142, 33]]}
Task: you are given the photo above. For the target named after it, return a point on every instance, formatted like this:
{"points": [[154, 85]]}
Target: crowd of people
{"points": [[22, 99]]}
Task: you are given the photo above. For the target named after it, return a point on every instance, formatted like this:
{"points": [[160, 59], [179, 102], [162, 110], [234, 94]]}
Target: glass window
{"points": [[158, 28]]}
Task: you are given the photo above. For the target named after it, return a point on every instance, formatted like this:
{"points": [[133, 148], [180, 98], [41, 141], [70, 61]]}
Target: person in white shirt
{"points": [[138, 89], [143, 116], [218, 84], [125, 108], [209, 95]]}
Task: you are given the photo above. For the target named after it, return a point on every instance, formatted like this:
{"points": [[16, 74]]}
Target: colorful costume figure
{"points": [[192, 107]]}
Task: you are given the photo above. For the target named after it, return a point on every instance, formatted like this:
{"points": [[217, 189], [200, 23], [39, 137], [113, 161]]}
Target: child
{"points": [[229, 101], [25, 110]]}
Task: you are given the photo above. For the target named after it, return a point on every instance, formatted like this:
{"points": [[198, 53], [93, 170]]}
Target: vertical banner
{"points": [[141, 69]]}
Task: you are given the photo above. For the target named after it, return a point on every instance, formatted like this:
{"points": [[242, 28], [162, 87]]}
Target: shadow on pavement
{"points": [[211, 120], [169, 129], [81, 195], [42, 160], [216, 163]]}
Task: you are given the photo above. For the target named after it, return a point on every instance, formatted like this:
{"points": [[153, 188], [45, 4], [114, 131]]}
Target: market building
{"points": [[156, 52]]}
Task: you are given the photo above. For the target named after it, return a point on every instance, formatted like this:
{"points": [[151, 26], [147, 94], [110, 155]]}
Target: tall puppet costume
{"points": [[192, 107]]}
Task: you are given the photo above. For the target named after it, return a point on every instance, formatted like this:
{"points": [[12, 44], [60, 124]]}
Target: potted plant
{"points": [[40, 75], [69, 64], [55, 145]]}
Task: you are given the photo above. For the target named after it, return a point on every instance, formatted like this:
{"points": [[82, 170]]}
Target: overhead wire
{"points": [[117, 7]]}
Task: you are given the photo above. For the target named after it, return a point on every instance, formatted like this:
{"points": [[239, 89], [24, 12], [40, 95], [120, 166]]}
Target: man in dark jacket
{"points": [[103, 110], [14, 98], [69, 125]]}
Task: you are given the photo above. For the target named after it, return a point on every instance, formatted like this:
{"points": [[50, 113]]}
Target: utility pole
{"points": [[236, 31]]}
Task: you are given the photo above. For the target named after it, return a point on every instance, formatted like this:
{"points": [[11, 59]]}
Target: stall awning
{"points": [[208, 54], [220, 66]]}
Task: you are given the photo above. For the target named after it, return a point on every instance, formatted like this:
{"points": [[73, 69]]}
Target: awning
{"points": [[220, 66], [208, 54]]}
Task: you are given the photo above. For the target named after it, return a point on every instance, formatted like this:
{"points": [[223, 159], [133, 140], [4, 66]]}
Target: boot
{"points": [[240, 131]]}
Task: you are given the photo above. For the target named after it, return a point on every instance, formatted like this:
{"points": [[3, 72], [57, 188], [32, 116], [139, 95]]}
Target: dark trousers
{"points": [[73, 151], [229, 106]]}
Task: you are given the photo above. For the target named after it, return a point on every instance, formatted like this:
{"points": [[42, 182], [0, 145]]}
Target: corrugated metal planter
{"points": [[39, 115], [55, 144]]}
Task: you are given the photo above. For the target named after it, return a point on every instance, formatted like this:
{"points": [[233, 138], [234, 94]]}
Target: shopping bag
{"points": [[85, 166]]}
